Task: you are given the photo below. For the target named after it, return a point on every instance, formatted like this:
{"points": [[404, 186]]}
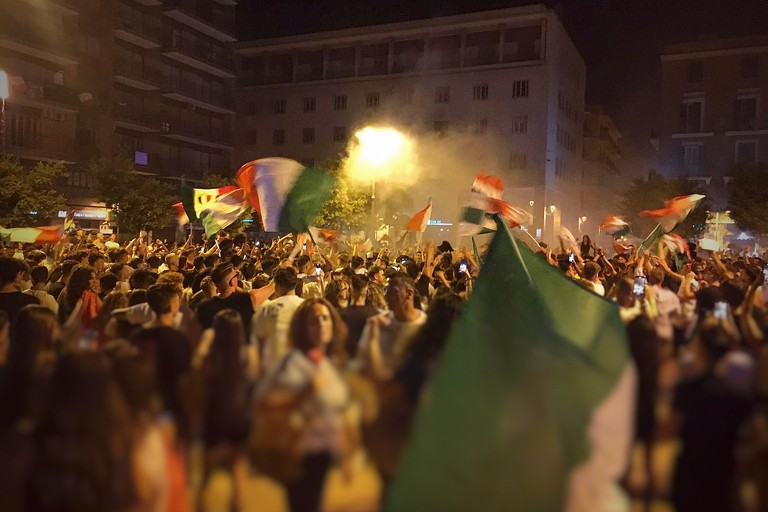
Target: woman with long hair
{"points": [[337, 292], [227, 369], [31, 357], [79, 303], [307, 386]]}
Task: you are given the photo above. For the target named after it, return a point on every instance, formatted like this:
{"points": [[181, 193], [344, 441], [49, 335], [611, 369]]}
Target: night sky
{"points": [[620, 40]]}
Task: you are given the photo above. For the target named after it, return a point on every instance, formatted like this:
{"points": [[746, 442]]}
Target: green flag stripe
{"points": [[528, 361], [310, 191], [188, 200]]}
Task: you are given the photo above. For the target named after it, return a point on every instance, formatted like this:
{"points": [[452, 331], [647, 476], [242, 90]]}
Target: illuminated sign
{"points": [[438, 222]]}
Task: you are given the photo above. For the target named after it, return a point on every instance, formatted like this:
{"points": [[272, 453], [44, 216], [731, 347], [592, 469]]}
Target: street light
{"points": [[377, 149], [4, 93]]}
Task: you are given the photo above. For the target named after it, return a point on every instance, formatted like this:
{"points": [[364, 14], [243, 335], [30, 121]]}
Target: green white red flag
{"points": [[195, 200], [419, 221], [223, 211]]}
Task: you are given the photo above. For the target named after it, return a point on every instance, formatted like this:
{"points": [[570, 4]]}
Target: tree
{"points": [[28, 196], [749, 195], [348, 207], [137, 201], [215, 181], [650, 194]]}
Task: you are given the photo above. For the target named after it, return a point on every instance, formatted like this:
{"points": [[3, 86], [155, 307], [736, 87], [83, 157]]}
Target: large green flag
{"points": [[531, 357]]}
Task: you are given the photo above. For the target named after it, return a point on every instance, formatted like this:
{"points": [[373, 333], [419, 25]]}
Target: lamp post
{"points": [[377, 149], [4, 93]]}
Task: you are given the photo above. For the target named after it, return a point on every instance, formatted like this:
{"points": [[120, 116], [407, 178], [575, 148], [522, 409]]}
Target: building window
{"points": [[440, 127], [695, 72], [520, 89], [408, 94], [339, 133], [749, 67], [278, 137], [279, 106], [480, 92], [372, 100], [692, 157], [250, 137], [251, 108], [24, 131], [745, 113], [309, 105], [442, 95], [340, 102], [517, 160], [520, 124], [481, 127], [308, 136], [691, 116], [746, 151]]}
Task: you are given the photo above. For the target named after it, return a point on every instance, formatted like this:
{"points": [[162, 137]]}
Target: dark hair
{"points": [[199, 263], [714, 339], [108, 282], [160, 296], [32, 333], [134, 262], [68, 266], [10, 268], [591, 270], [286, 278], [333, 292], [154, 261], [220, 273], [84, 439], [39, 274], [359, 282], [301, 261], [94, 257], [299, 336], [116, 268], [356, 262], [269, 264], [137, 297], [79, 282], [211, 260], [142, 279]]}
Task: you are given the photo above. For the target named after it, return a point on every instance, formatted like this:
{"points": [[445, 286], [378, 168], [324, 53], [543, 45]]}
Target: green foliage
{"points": [[348, 207], [25, 190], [138, 201], [650, 194], [215, 181], [749, 196]]}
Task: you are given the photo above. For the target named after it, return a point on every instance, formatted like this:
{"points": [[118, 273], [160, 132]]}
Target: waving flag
{"points": [[39, 235], [477, 220], [420, 220], [223, 211], [195, 200], [674, 212], [532, 364], [614, 226], [323, 235], [568, 241], [286, 194], [675, 243], [490, 186], [181, 215]]}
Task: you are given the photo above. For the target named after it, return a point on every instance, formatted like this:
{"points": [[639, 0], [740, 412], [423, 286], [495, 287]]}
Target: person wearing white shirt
{"points": [[271, 321], [39, 276]]}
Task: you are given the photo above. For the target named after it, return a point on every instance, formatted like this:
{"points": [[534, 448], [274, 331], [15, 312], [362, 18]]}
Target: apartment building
{"points": [[498, 91], [714, 112], [150, 80], [601, 178]]}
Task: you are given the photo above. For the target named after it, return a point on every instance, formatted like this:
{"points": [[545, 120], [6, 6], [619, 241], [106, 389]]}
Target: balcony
{"points": [[133, 117], [200, 55], [204, 17], [45, 95], [43, 45], [150, 3], [194, 94], [198, 134], [136, 75], [42, 149], [138, 29]]}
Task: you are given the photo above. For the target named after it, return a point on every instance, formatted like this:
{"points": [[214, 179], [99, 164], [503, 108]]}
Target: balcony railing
{"points": [[51, 94], [138, 24], [48, 45], [210, 55], [182, 128], [198, 92], [137, 70], [136, 114], [206, 11], [42, 148]]}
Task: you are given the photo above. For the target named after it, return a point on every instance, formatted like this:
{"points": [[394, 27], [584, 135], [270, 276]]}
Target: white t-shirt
{"points": [[270, 325], [46, 299], [394, 338]]}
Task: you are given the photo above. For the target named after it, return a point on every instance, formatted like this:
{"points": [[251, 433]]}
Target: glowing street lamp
{"points": [[4, 93], [376, 151], [582, 220]]}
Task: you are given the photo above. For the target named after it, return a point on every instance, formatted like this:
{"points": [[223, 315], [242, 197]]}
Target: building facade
{"points": [[149, 80], [714, 112], [602, 177], [499, 91]]}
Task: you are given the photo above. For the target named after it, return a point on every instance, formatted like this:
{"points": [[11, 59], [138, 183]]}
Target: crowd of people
{"points": [[117, 361]]}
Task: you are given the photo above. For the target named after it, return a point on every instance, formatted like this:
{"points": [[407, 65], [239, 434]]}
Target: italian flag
{"points": [[476, 219], [674, 212], [614, 226], [39, 235], [533, 363], [194, 200], [419, 221], [181, 215], [286, 194], [223, 211]]}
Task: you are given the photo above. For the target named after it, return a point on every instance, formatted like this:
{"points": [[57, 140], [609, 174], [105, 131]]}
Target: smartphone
{"points": [[258, 243], [639, 288], [318, 270], [721, 310], [305, 247], [571, 258], [463, 266]]}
